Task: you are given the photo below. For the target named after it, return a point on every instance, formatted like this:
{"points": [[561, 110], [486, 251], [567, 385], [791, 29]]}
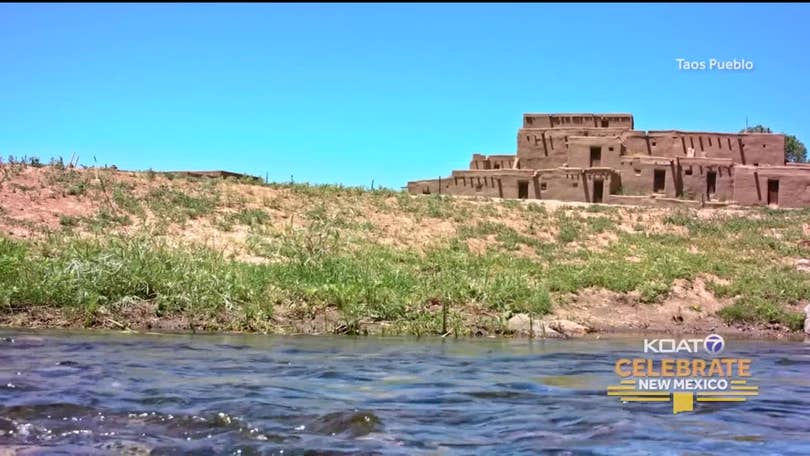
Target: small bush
{"points": [[68, 221]]}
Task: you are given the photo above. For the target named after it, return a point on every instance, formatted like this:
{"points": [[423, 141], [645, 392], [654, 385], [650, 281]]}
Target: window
{"points": [[610, 149], [543, 186], [659, 180], [688, 171], [604, 123], [596, 156]]}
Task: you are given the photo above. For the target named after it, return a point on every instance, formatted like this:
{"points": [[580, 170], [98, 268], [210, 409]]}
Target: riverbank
{"points": [[106, 249]]}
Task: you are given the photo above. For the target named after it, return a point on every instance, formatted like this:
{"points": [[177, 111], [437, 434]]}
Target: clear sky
{"points": [[390, 92]]}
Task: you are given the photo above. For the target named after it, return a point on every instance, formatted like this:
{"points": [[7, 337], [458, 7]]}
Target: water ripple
{"points": [[95, 393]]}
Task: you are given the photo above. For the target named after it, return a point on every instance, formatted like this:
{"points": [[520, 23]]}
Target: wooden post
{"points": [[444, 317]]}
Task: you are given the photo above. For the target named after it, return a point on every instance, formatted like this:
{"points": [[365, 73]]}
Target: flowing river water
{"points": [[107, 393]]}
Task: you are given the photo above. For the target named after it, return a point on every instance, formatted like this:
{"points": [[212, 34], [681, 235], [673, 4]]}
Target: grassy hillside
{"points": [[98, 247]]}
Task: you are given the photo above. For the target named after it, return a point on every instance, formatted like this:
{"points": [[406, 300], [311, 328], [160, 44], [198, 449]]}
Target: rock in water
{"points": [[520, 324], [355, 423], [569, 328]]}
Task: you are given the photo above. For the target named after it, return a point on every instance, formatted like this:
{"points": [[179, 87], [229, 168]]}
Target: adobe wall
{"points": [[489, 183], [694, 174], [548, 148], [665, 144], [763, 149], [510, 180], [480, 161], [746, 149], [580, 150], [562, 184], [610, 183], [578, 120], [635, 143], [424, 187], [475, 183], [751, 185], [637, 175]]}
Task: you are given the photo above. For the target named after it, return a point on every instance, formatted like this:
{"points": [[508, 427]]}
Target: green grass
{"points": [[375, 283], [328, 253], [126, 201], [68, 221], [251, 217], [179, 206], [569, 230], [760, 292], [508, 238], [106, 219], [600, 224]]}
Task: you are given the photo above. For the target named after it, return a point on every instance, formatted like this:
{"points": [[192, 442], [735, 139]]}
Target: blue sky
{"points": [[389, 92]]}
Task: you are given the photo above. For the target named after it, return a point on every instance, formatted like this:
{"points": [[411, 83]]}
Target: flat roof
{"points": [[579, 114], [688, 132]]}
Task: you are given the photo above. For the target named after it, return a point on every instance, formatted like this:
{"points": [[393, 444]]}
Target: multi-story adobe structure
{"points": [[602, 158]]}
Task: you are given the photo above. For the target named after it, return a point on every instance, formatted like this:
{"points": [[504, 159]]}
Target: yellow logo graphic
{"points": [[683, 381]]}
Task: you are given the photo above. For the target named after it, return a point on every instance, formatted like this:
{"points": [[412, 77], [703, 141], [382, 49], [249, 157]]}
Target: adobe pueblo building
{"points": [[600, 158]]}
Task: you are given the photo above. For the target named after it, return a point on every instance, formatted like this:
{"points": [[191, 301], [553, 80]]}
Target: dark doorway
{"points": [[596, 156], [523, 189], [598, 190], [773, 192], [604, 123], [659, 180], [711, 184]]}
